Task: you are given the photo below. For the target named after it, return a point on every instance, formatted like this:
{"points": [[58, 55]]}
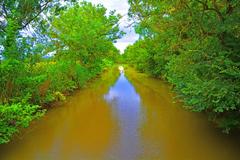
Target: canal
{"points": [[126, 116]]}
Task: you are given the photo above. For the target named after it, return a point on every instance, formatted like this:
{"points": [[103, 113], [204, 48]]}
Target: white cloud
{"points": [[121, 46], [121, 7]]}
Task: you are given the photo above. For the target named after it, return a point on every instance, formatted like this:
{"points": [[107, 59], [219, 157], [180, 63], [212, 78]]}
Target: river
{"points": [[126, 116]]}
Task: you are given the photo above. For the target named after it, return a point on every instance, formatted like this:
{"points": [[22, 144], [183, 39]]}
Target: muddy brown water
{"points": [[126, 116]]}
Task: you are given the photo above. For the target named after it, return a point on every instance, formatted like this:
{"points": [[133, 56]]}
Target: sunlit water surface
{"points": [[134, 120]]}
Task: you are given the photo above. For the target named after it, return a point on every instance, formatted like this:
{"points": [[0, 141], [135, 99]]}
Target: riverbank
{"points": [[223, 120], [18, 112]]}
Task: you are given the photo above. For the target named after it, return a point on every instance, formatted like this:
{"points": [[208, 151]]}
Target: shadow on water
{"points": [[134, 119]]}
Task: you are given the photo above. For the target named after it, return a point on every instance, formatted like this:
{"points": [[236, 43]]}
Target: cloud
{"points": [[130, 36], [121, 7], [122, 46]]}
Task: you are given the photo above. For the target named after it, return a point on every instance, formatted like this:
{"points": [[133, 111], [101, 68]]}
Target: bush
{"points": [[14, 116]]}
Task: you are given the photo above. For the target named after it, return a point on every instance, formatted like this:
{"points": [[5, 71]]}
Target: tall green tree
{"points": [[85, 32], [194, 44]]}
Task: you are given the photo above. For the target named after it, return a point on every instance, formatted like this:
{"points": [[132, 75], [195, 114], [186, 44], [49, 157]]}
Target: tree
{"points": [[85, 33], [195, 46], [20, 15]]}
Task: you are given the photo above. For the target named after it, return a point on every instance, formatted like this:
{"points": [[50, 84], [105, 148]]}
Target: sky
{"points": [[121, 7]]}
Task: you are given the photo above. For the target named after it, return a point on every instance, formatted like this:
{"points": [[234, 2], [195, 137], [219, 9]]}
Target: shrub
{"points": [[14, 116]]}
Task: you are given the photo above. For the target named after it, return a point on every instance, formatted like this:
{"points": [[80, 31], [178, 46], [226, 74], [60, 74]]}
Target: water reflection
{"points": [[126, 104], [124, 125]]}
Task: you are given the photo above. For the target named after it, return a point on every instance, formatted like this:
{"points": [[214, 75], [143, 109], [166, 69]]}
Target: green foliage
{"points": [[195, 46], [82, 37], [17, 80], [10, 43], [60, 75], [84, 33], [81, 75], [14, 116], [26, 11]]}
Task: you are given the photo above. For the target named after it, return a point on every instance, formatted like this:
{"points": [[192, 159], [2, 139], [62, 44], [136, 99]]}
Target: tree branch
{"points": [[2, 29], [230, 8], [43, 7], [215, 9], [4, 10]]}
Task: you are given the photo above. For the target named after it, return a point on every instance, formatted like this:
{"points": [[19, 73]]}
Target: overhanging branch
{"points": [[43, 7]]}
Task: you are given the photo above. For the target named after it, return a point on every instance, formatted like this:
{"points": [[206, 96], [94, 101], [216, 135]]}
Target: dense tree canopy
{"points": [[195, 45], [80, 34], [84, 32]]}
